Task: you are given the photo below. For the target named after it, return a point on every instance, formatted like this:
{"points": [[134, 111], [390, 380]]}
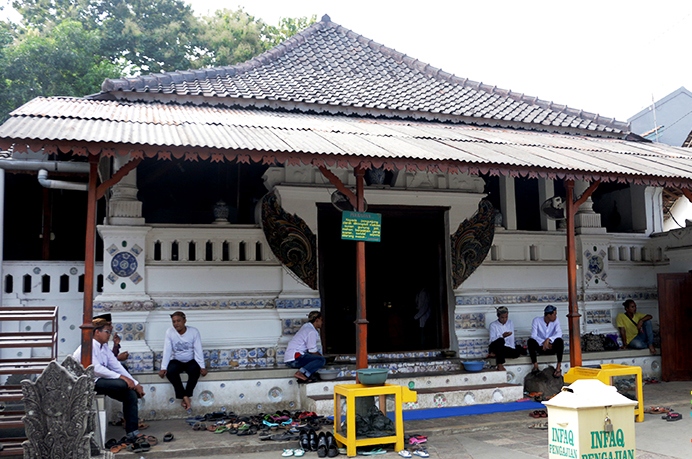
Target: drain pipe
{"points": [[52, 166], [59, 184]]}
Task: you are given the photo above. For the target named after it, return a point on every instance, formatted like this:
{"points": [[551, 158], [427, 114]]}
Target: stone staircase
{"points": [[453, 389]]}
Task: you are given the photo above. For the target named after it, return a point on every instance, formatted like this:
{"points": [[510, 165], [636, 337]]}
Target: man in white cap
{"points": [[546, 339], [111, 378]]}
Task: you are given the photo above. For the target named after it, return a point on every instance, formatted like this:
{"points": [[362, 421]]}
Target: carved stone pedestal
{"points": [[60, 416]]}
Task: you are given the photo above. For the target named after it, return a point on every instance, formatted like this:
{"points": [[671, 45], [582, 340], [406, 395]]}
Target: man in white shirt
{"points": [[302, 351], [502, 339], [111, 378], [546, 339], [182, 353]]}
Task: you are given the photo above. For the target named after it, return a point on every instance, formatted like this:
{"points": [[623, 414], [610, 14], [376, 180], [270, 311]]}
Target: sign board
{"points": [[361, 226]]}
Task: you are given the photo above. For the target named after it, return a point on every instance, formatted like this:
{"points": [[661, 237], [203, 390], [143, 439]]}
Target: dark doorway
{"points": [[675, 315], [409, 258]]}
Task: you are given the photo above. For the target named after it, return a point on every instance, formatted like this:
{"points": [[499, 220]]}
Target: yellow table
{"points": [[605, 373], [350, 392]]}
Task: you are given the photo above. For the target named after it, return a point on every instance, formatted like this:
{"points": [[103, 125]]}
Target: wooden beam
{"points": [[118, 176], [339, 185], [89, 259]]}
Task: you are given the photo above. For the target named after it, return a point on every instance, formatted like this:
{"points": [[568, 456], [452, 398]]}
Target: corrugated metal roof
{"points": [[201, 132], [329, 67]]}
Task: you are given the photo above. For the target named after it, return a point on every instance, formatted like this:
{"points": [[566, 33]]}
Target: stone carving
{"points": [[59, 418]]}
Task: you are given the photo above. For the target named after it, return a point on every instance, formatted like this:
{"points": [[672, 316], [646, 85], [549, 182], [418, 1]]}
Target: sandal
{"points": [[535, 414], [405, 453], [658, 410], [152, 440], [421, 453], [672, 416], [539, 426], [287, 453], [168, 436], [299, 452]]}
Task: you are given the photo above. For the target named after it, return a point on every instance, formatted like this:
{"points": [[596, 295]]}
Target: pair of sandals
{"points": [[539, 414], [293, 452]]}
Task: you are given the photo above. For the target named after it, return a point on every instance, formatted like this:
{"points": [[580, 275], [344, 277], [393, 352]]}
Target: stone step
{"points": [[437, 397], [434, 391]]}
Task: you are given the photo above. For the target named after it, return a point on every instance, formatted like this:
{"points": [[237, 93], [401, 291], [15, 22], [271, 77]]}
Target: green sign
{"points": [[361, 226]]}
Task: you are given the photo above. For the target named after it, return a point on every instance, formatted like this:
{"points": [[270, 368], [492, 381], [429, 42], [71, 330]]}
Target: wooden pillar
{"points": [[361, 315], [573, 314], [89, 259]]}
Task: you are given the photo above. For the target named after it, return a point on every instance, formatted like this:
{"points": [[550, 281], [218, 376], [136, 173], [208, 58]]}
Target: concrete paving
{"points": [[488, 436]]}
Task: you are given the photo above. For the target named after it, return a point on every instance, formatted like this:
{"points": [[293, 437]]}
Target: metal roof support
{"points": [[573, 314]]}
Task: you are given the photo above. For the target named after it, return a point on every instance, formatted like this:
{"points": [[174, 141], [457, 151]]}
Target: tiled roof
{"points": [[329, 68], [111, 127]]}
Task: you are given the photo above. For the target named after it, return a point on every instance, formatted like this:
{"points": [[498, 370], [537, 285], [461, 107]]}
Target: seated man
{"points": [[502, 339], [635, 328], [302, 351], [546, 339], [182, 353], [111, 378]]}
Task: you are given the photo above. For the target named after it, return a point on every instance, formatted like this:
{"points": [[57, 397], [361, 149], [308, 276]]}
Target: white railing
{"points": [[43, 280], [524, 246], [207, 244]]}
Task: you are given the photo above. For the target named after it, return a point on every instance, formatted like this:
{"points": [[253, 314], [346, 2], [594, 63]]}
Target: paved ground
{"points": [[489, 436]]}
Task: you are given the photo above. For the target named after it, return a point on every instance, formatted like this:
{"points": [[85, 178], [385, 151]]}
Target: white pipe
{"points": [[53, 166], [59, 184]]}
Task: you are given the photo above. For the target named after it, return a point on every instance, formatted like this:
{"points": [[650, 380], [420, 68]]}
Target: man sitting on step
{"points": [[546, 339], [111, 378], [502, 339]]}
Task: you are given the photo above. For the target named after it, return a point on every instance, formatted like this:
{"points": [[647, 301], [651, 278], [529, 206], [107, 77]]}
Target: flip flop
{"points": [[299, 452], [373, 452], [421, 453], [539, 426], [287, 453], [405, 453], [672, 416], [658, 410], [168, 436]]}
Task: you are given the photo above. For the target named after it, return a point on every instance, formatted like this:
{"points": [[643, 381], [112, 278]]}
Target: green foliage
{"points": [[68, 47], [63, 60]]}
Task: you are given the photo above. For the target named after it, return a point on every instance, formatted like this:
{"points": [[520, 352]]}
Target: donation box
{"points": [[590, 420]]}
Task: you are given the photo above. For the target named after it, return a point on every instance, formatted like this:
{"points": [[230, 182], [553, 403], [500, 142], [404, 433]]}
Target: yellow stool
{"points": [[605, 373], [350, 392]]}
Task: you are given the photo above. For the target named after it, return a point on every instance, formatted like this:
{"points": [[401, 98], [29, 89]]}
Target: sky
{"points": [[609, 57]]}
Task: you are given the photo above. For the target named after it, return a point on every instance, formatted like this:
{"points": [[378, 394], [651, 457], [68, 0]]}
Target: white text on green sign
{"points": [[361, 226]]}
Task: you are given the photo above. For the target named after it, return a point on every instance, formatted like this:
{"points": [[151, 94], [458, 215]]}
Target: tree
{"points": [[62, 61]]}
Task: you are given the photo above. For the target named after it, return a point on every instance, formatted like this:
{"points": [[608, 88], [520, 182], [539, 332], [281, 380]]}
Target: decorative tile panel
{"points": [[598, 316], [469, 321], [130, 331], [298, 303]]}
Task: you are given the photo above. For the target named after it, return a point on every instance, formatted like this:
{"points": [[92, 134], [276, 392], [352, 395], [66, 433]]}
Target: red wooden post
{"points": [[361, 316], [573, 314], [89, 259]]}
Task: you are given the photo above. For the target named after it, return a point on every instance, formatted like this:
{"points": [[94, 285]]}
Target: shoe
{"points": [[405, 453], [672, 416], [287, 453], [299, 452], [312, 439], [304, 441], [332, 449], [322, 445], [421, 453], [168, 436]]}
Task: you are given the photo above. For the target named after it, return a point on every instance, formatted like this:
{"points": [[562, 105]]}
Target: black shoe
{"points": [[322, 445], [304, 441], [312, 439], [332, 449]]}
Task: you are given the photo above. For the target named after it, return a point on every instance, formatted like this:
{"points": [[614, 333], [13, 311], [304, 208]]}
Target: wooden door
{"points": [[675, 313]]}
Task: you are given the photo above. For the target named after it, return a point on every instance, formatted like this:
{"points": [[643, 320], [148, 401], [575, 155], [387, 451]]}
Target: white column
{"points": [[508, 203], [586, 221], [124, 255], [123, 207], [647, 208], [546, 189]]}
